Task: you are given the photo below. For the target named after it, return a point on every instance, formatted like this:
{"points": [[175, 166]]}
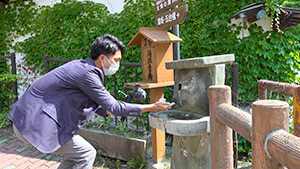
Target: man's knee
{"points": [[93, 152]]}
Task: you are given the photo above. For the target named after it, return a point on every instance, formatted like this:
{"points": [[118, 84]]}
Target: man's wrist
{"points": [[147, 108]]}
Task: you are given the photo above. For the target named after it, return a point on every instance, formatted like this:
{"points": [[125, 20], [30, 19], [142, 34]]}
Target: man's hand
{"points": [[108, 113], [157, 106]]}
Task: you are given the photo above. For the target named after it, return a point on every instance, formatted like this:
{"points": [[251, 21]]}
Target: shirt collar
{"points": [[90, 62]]}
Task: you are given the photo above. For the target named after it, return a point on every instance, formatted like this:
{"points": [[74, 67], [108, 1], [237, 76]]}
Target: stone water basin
{"points": [[180, 123]]}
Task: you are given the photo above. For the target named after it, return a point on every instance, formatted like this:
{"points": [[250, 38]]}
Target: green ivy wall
{"points": [[68, 29]]}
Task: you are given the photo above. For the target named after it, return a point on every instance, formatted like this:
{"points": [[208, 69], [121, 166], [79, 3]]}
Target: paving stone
{"points": [[22, 149], [14, 144], [49, 157], [22, 161], [14, 154], [10, 167], [55, 166], [38, 164], [3, 140], [25, 165]]}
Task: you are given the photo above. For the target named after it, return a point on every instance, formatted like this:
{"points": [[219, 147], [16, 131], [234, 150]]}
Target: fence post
{"points": [[262, 91], [267, 116], [221, 135], [235, 83], [14, 71], [235, 89], [47, 68], [296, 111]]}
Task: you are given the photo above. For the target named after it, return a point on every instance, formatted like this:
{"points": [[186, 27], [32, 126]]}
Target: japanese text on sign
{"points": [[168, 18], [173, 17], [147, 42], [163, 5], [149, 62]]}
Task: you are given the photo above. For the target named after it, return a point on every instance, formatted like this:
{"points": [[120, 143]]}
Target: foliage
{"points": [[208, 33], [273, 11], [65, 31], [137, 163], [290, 3], [6, 80], [16, 21], [108, 126], [68, 29], [245, 146]]}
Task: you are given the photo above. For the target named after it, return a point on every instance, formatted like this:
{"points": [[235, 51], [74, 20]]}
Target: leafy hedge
{"points": [[6, 93], [68, 29], [290, 3]]}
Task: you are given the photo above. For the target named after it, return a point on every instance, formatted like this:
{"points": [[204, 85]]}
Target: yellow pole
{"points": [[296, 110], [158, 136]]}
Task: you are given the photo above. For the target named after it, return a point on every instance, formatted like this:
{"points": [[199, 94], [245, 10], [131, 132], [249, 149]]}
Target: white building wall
{"points": [[46, 2], [114, 6], [265, 23]]}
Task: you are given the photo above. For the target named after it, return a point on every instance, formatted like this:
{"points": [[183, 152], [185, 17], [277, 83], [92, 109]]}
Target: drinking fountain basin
{"points": [[180, 123]]}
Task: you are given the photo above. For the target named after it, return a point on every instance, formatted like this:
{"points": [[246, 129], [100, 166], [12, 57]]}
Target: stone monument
{"points": [[188, 120]]}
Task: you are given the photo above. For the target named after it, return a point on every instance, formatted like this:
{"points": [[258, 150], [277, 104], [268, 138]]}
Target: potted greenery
{"points": [[116, 141]]}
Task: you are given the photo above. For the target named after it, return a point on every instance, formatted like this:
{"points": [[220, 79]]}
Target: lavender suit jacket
{"points": [[54, 107]]}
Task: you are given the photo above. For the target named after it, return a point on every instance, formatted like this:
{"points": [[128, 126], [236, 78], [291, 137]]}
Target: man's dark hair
{"points": [[106, 44]]}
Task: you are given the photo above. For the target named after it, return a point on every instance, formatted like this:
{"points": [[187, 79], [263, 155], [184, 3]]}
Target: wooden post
{"points": [[2, 4], [221, 135], [286, 89], [47, 67], [267, 116], [158, 136], [296, 111], [14, 71]]}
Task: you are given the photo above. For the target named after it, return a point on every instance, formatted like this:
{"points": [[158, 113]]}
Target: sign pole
{"points": [[172, 18], [176, 45]]}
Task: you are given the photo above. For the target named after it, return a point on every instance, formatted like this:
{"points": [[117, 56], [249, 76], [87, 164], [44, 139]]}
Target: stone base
{"points": [[190, 152], [116, 146], [165, 164]]}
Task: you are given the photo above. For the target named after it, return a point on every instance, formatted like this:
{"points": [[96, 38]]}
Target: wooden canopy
{"points": [[155, 34], [289, 18]]}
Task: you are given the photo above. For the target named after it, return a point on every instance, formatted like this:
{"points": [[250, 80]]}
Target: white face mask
{"points": [[112, 68]]}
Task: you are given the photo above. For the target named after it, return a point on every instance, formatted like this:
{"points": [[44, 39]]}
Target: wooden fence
{"points": [[284, 89], [267, 130]]}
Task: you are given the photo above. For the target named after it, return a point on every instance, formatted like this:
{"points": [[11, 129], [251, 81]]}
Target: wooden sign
{"points": [[154, 57], [157, 49], [173, 17], [163, 5]]}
